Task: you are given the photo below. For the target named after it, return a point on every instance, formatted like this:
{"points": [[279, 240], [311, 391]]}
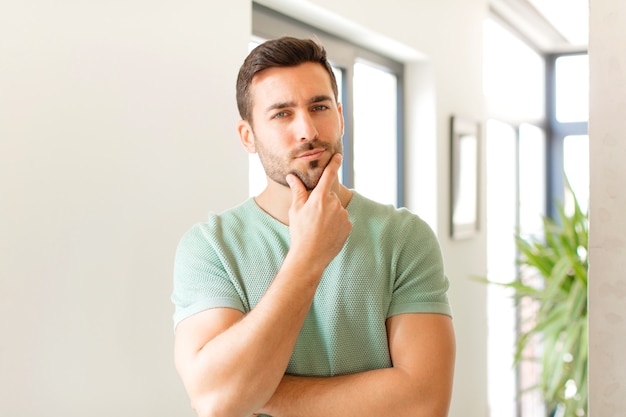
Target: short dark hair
{"points": [[282, 52]]}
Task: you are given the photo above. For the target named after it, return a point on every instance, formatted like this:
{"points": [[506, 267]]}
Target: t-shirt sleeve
{"points": [[420, 284], [201, 281]]}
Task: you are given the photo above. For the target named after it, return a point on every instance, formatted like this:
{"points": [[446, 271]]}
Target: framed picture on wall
{"points": [[464, 148]]}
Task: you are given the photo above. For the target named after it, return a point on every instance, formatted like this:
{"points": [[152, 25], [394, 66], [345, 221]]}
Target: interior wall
{"points": [[117, 132], [607, 239]]}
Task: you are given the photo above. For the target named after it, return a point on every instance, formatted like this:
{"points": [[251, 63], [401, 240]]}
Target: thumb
{"points": [[299, 194]]}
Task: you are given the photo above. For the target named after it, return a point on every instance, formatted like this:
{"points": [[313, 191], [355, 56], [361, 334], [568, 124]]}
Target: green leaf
{"points": [[553, 273]]}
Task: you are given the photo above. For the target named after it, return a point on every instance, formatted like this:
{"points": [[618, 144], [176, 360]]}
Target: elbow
{"points": [[427, 402], [209, 400], [216, 406], [203, 410], [431, 408], [205, 407], [438, 410], [425, 409]]}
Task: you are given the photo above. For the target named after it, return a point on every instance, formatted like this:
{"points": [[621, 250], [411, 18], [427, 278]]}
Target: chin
{"points": [[309, 182]]}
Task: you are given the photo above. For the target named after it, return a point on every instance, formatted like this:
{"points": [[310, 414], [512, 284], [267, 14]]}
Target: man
{"points": [[309, 299]]}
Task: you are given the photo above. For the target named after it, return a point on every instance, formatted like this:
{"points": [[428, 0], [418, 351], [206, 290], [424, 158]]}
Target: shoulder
{"points": [[235, 233], [233, 218], [387, 218], [215, 230]]}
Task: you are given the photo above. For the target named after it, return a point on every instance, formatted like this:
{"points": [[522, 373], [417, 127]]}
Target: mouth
{"points": [[311, 155]]}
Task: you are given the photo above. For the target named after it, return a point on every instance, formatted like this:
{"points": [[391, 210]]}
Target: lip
{"points": [[311, 155]]}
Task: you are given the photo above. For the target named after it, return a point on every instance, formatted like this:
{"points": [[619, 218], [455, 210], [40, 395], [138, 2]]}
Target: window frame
{"points": [[528, 402], [556, 132]]}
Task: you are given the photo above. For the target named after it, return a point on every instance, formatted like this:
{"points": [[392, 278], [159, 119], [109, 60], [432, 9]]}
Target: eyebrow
{"points": [[284, 104]]}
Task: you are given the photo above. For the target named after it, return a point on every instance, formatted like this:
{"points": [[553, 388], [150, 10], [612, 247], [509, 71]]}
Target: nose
{"points": [[305, 128]]}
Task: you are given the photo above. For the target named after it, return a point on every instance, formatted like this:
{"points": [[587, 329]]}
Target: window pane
{"points": [[532, 206], [572, 88], [501, 141], [256, 175], [532, 178], [375, 133], [576, 167], [513, 76]]}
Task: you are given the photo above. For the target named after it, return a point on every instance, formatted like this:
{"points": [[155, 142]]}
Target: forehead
{"points": [[291, 83]]}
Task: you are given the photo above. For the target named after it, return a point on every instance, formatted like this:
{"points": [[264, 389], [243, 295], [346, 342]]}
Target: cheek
{"points": [[276, 141], [270, 146], [331, 125]]}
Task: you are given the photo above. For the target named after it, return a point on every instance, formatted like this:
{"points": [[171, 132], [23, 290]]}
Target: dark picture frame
{"points": [[464, 177]]}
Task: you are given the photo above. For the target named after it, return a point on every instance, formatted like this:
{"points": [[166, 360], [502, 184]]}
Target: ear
{"points": [[340, 110], [246, 135]]}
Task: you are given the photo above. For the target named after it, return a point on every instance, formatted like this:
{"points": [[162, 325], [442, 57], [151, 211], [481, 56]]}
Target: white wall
{"points": [[607, 240], [117, 133]]}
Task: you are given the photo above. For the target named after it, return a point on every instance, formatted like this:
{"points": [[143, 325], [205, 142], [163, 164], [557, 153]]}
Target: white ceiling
{"points": [[550, 25]]}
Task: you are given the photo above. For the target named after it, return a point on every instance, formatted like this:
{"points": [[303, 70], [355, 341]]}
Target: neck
{"points": [[276, 199]]}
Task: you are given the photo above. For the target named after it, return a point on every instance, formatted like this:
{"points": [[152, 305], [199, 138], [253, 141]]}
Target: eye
{"points": [[320, 107], [279, 115]]}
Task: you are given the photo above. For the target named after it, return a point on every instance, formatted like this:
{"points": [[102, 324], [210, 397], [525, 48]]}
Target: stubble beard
{"points": [[277, 171], [311, 178]]}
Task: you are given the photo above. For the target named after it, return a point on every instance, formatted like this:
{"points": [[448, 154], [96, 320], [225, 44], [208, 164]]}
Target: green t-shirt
{"points": [[390, 264]]}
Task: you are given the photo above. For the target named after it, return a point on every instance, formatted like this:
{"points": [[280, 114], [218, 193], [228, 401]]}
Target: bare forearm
{"points": [[380, 392], [422, 350], [238, 370], [231, 365]]}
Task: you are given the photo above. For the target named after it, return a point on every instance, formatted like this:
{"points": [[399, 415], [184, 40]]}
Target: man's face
{"points": [[297, 124]]}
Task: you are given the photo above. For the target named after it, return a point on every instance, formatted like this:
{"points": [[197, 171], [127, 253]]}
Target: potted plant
{"points": [[559, 260]]}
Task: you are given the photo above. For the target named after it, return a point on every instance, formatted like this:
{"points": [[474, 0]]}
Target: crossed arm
{"points": [[419, 384], [243, 378], [231, 364], [234, 364]]}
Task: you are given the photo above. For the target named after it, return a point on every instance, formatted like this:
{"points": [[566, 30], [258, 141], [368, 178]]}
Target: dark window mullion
{"points": [[556, 133], [348, 129], [400, 141]]}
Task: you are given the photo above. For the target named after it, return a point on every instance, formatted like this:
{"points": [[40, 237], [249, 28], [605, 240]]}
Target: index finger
{"points": [[330, 174]]}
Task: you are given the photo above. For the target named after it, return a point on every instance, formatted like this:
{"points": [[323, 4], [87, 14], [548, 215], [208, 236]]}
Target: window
{"points": [[532, 178], [571, 75], [501, 148], [576, 168], [513, 76], [514, 87], [370, 88], [375, 132], [536, 137], [568, 113]]}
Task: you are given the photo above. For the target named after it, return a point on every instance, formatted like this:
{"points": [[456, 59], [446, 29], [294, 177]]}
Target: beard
{"points": [[277, 167]]}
